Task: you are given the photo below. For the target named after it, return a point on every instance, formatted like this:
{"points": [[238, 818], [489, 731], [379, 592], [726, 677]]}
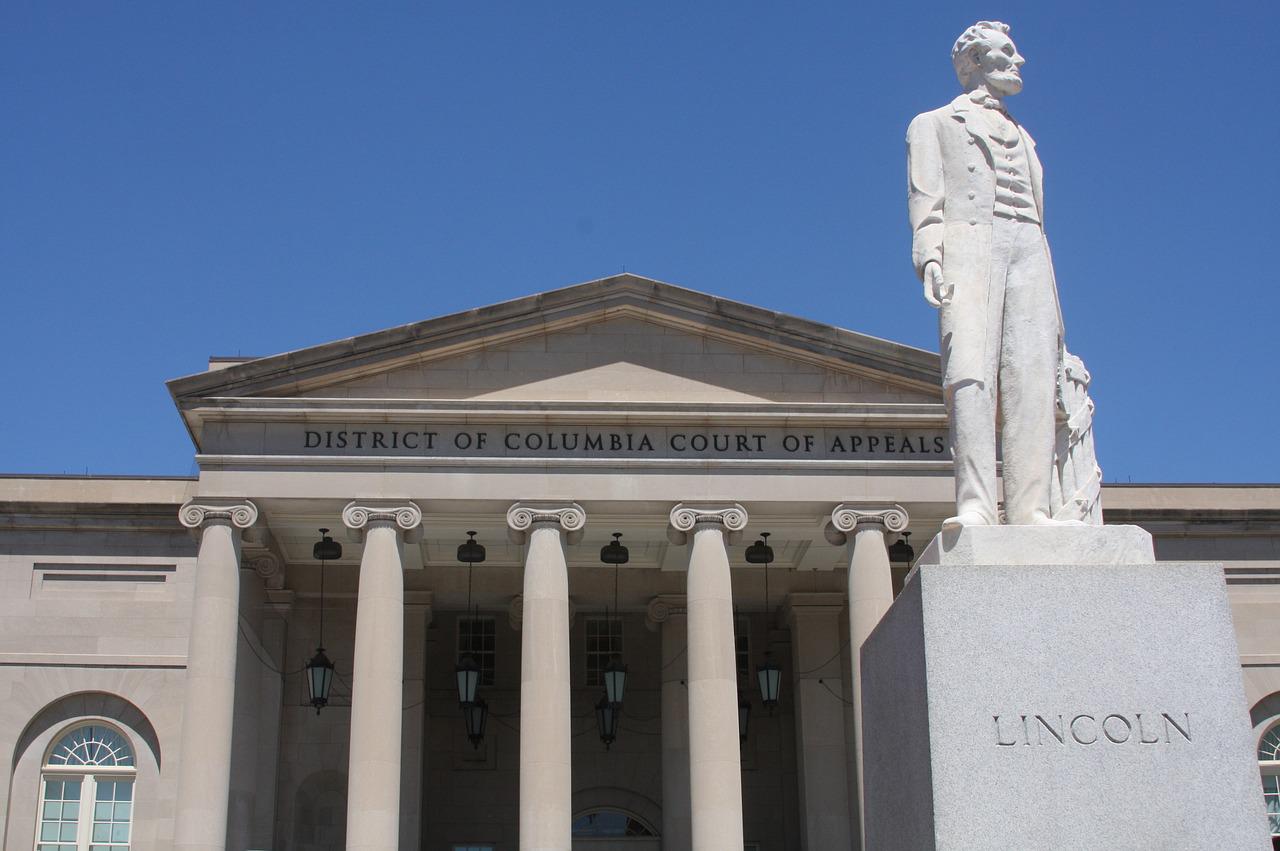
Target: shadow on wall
{"points": [[320, 813]]}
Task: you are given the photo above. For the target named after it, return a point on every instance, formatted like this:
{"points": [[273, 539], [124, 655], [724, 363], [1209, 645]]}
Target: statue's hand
{"points": [[936, 291]]}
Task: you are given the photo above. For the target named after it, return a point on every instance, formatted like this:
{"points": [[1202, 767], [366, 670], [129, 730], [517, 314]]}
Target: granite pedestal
{"points": [[1056, 688]]}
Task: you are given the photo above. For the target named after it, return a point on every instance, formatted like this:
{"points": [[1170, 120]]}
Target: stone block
{"points": [[1054, 705]]}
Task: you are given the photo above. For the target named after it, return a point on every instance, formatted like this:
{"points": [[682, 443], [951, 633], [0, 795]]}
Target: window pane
{"points": [[476, 637], [122, 812], [92, 744], [71, 810], [119, 833], [102, 833], [603, 642]]}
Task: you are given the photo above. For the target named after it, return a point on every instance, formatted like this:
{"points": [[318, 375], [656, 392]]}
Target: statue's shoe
{"points": [[966, 518]]}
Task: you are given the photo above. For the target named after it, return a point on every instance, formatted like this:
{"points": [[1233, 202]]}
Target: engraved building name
{"points": [[1091, 728], [577, 441]]}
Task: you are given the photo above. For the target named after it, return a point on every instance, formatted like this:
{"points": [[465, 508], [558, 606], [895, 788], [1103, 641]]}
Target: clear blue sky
{"points": [[181, 179]]}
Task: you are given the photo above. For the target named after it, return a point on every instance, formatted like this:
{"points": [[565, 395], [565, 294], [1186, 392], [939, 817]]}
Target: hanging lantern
{"points": [[468, 675], [326, 549], [607, 721], [615, 681], [770, 677], [902, 552], [319, 679], [476, 716], [744, 714], [614, 552], [320, 668], [471, 551], [760, 552]]}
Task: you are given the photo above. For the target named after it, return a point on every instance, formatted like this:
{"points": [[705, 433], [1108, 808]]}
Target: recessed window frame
{"points": [[1269, 766], [98, 785]]}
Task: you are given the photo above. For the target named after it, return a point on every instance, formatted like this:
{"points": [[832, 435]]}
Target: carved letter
{"points": [[1000, 739], [1055, 733], [310, 435], [1128, 729], [1142, 735], [1076, 735], [1186, 734]]}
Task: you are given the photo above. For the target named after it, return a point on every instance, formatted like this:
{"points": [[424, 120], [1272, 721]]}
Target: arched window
{"points": [[86, 792], [609, 823], [1269, 762]]}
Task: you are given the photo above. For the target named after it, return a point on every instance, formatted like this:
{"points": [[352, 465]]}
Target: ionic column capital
{"points": [[685, 517], [523, 516], [661, 608], [238, 513], [406, 516], [846, 518], [269, 567]]}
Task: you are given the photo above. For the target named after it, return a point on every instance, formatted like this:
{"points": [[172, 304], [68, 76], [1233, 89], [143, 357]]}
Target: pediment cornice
{"points": [[291, 373]]}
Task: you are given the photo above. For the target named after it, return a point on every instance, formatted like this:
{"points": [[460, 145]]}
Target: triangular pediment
{"points": [[617, 340], [627, 357]]}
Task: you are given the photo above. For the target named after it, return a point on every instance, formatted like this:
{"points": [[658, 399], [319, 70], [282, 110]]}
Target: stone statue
{"points": [[977, 215]]}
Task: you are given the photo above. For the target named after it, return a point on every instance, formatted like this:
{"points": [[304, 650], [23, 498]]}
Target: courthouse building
{"points": [[157, 632]]}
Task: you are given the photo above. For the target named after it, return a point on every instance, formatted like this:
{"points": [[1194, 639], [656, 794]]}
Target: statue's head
{"points": [[984, 54]]}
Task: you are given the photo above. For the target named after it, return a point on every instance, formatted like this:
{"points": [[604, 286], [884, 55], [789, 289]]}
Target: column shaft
{"points": [[204, 773], [373, 780], [870, 596], [715, 763], [819, 705], [676, 825], [546, 792]]}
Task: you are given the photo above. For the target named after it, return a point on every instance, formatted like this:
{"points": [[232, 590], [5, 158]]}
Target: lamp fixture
{"points": [[902, 552], [475, 712], [476, 715], [607, 721], [615, 673], [320, 669], [768, 674], [614, 552]]}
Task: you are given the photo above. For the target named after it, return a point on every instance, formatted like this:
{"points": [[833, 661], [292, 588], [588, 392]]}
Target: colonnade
{"points": [[702, 783]]}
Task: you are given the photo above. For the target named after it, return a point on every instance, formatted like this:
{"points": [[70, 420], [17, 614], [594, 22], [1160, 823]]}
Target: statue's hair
{"points": [[963, 54]]}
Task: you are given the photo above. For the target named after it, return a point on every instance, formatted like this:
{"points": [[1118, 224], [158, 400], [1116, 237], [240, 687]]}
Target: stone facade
{"points": [[98, 581]]}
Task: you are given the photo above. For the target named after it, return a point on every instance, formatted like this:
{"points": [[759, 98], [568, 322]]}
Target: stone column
{"points": [[204, 768], [715, 762], [274, 636], [377, 674], [870, 596], [417, 620], [814, 619], [546, 789], [667, 613]]}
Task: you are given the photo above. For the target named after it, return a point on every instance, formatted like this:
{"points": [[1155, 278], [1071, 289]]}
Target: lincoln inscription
{"points": [[1092, 728]]}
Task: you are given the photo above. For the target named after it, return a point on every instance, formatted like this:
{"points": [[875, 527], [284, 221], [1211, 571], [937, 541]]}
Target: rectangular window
{"points": [[92, 813], [604, 641], [742, 648], [1271, 791], [477, 637]]}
